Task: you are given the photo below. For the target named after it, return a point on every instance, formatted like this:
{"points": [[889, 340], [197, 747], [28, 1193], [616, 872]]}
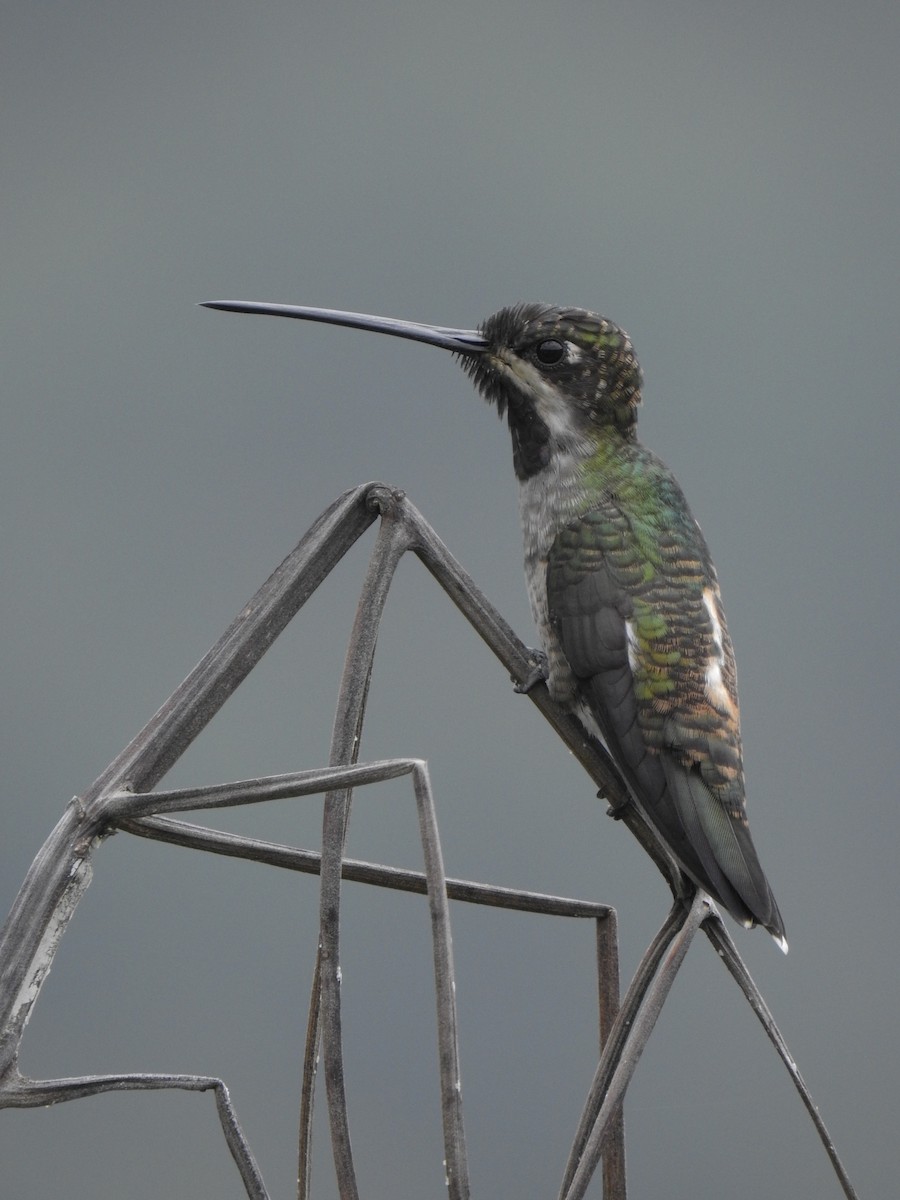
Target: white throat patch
{"points": [[551, 407]]}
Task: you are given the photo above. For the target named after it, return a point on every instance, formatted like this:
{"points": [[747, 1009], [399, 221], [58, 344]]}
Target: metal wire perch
{"points": [[124, 798]]}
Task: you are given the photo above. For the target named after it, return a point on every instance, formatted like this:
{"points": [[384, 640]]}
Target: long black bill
{"points": [[460, 341]]}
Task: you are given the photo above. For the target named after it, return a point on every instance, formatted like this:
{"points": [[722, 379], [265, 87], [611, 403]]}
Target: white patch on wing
{"points": [[632, 647], [715, 687], [716, 691], [583, 712]]}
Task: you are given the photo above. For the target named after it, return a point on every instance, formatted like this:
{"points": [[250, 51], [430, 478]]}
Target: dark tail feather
{"points": [[726, 851]]}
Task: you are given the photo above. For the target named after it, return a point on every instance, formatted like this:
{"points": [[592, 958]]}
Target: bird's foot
{"points": [[615, 808], [538, 674]]}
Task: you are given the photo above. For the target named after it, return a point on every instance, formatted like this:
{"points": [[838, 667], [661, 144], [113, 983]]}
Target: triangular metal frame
{"points": [[123, 798]]}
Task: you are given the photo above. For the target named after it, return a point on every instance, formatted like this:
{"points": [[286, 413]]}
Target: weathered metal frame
{"points": [[123, 798]]}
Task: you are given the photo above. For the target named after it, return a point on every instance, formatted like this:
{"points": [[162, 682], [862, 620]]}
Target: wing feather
{"points": [[635, 606]]}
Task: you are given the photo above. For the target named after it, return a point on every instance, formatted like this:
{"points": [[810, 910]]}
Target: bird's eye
{"points": [[549, 352]]}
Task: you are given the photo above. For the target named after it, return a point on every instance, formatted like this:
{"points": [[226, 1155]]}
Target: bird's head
{"points": [[564, 377]]}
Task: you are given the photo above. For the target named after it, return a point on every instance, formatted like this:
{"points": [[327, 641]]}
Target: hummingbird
{"points": [[622, 587]]}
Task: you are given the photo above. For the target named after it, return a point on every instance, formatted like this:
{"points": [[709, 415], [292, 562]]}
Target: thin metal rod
{"points": [[631, 1032], [456, 1169], [200, 837], [391, 543], [614, 1043], [608, 980], [308, 1084], [257, 791], [715, 930], [22, 1092]]}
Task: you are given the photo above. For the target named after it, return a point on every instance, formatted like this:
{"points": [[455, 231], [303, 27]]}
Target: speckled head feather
{"points": [[577, 352]]}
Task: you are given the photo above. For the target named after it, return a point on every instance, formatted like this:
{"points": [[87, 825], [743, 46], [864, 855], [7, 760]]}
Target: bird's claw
{"points": [[538, 673], [615, 808]]}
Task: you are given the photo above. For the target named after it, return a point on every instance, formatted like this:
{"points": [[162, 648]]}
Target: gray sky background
{"points": [[722, 180]]}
